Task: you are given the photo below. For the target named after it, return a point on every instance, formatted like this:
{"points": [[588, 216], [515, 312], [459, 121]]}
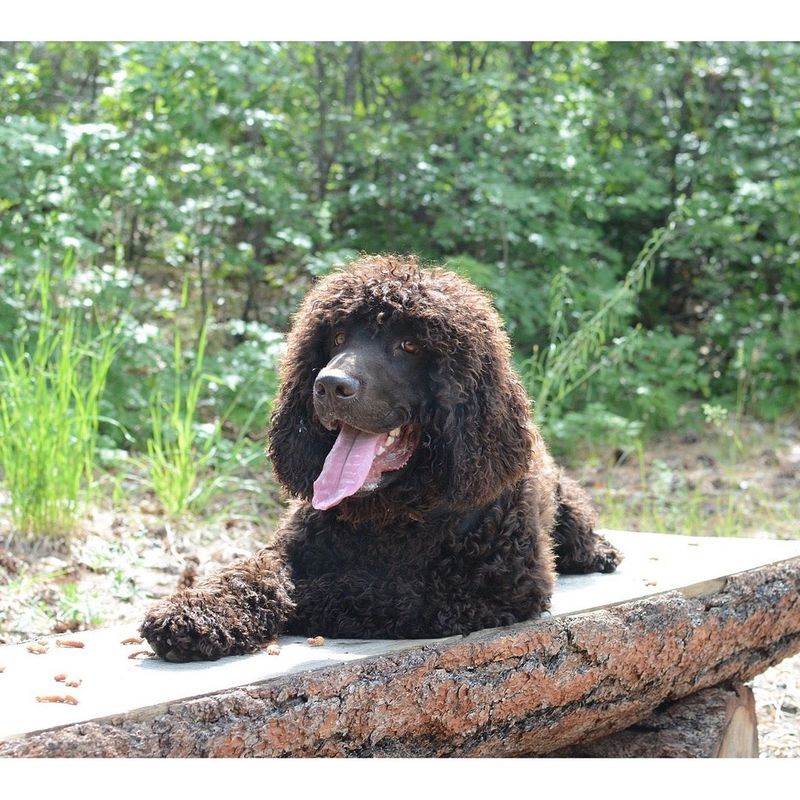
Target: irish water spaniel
{"points": [[426, 503]]}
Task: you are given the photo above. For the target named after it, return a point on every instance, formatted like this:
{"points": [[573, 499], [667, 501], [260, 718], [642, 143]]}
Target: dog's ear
{"points": [[298, 443], [481, 432]]}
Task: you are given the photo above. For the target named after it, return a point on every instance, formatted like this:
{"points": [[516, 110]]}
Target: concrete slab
{"points": [[113, 684]]}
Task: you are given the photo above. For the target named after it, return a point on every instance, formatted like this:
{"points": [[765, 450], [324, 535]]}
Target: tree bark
{"points": [[714, 723]]}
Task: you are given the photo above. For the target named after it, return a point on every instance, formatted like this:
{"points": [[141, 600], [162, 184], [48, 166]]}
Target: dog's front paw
{"points": [[193, 626], [606, 557]]}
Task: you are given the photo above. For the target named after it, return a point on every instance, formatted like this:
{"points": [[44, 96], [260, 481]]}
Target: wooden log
{"points": [[532, 688], [713, 723]]}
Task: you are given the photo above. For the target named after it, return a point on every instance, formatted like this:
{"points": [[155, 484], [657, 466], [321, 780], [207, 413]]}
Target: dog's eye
{"points": [[338, 339], [407, 346]]}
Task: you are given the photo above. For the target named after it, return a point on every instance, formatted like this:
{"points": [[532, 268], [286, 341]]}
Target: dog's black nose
{"points": [[335, 383]]}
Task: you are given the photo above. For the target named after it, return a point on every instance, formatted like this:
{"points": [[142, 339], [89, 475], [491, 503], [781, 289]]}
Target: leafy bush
{"points": [[570, 360], [539, 170], [653, 380]]}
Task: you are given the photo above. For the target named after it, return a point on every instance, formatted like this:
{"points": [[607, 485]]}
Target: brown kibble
{"points": [[42, 642], [73, 682], [273, 649], [68, 643], [57, 698], [316, 641], [143, 653], [37, 649], [133, 640]]}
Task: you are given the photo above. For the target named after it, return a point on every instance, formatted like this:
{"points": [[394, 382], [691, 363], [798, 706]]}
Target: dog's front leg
{"points": [[234, 611]]}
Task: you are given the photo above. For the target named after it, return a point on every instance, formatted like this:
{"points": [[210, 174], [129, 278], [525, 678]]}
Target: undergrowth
{"points": [[712, 487], [53, 379], [190, 462], [573, 357], [174, 459]]}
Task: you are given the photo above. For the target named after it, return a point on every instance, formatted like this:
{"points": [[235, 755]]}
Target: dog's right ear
{"points": [[298, 443]]}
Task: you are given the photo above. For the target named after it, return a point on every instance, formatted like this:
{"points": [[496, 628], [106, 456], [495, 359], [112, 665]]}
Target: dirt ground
{"points": [[123, 558], [742, 480]]}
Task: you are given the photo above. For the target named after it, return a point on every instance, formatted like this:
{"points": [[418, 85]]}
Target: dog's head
{"points": [[397, 394]]}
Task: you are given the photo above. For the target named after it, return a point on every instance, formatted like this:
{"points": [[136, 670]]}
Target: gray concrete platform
{"points": [[112, 684]]}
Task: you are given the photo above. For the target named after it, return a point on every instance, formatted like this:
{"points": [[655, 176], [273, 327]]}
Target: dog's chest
{"points": [[378, 551], [408, 549]]}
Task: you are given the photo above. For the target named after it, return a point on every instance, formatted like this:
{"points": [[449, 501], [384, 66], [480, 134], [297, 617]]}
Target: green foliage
{"points": [[189, 461], [571, 358], [244, 375], [518, 296], [53, 379], [177, 453], [593, 423], [653, 380], [540, 170], [77, 606]]}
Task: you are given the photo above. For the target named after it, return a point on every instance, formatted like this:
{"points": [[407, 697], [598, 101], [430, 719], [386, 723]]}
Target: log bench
{"points": [[650, 660]]}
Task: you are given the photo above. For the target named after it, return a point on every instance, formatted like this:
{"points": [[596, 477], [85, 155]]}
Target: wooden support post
{"points": [[714, 723]]}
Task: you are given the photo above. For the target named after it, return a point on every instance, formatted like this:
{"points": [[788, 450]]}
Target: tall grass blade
{"points": [[53, 380]]}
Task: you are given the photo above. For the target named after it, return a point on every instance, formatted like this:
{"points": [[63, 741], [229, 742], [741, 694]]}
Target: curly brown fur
{"points": [[232, 611], [465, 535]]}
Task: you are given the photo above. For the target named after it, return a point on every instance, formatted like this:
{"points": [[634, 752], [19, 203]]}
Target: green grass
{"points": [[53, 378], [187, 469], [174, 457]]}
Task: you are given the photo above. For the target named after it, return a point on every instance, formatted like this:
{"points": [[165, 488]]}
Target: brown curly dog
{"points": [[427, 503]]}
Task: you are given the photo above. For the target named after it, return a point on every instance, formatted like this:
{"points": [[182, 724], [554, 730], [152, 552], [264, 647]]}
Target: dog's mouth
{"points": [[358, 460]]}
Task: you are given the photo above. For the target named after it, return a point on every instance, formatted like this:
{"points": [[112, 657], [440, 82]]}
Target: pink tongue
{"points": [[346, 467]]}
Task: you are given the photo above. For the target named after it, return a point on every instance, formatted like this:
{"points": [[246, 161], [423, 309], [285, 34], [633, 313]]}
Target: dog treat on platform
{"points": [[57, 698]]}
